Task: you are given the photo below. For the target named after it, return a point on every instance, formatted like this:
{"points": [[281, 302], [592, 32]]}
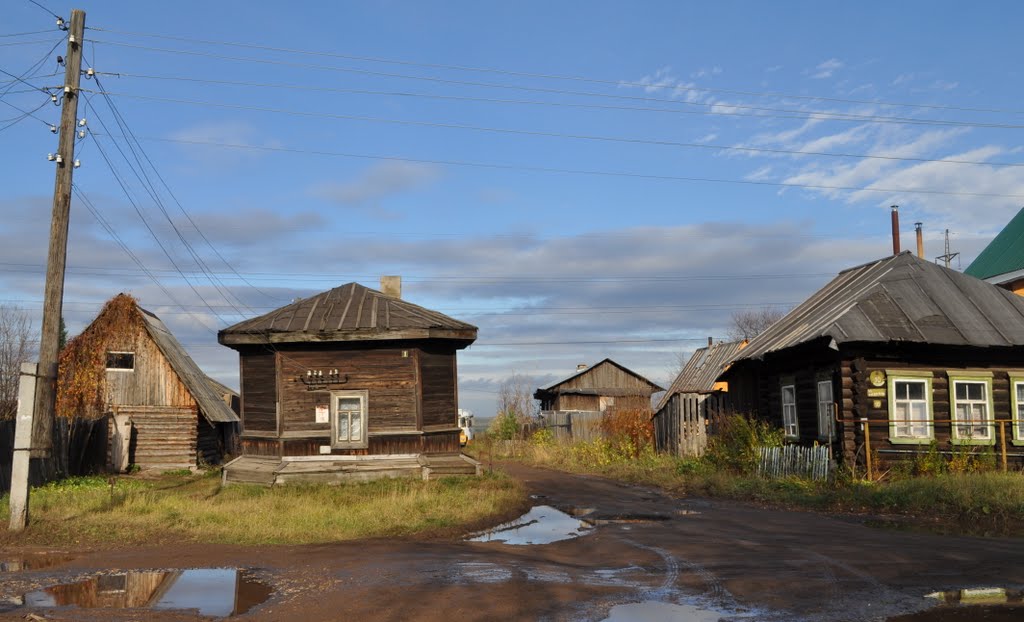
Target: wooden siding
{"points": [[414, 443], [438, 381], [606, 375], [163, 438], [153, 382], [258, 371], [387, 375]]}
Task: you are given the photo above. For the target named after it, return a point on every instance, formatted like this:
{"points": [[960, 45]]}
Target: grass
{"points": [[978, 503], [176, 507]]}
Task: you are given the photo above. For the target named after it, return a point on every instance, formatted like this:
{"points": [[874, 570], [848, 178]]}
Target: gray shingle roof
{"points": [[199, 385], [703, 369], [899, 299], [351, 312]]}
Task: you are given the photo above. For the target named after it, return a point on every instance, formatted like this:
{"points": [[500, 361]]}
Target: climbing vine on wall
{"points": [[81, 374]]}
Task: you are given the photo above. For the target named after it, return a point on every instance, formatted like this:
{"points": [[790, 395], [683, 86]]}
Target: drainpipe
{"points": [[895, 229]]}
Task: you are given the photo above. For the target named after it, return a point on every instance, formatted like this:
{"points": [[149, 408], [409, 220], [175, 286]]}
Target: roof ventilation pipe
{"points": [[895, 229]]}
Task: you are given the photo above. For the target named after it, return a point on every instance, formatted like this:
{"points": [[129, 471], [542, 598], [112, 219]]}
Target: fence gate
{"points": [[573, 425], [682, 426]]}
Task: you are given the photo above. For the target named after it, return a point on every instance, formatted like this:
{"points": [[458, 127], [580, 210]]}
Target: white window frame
{"points": [[988, 420], [790, 422], [895, 424], [364, 400], [826, 411], [1017, 410], [123, 369]]}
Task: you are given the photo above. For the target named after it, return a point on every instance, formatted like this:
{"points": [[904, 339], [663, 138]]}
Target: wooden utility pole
{"points": [[49, 343]]}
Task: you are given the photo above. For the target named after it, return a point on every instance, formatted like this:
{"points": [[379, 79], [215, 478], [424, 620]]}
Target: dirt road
{"points": [[688, 559]]}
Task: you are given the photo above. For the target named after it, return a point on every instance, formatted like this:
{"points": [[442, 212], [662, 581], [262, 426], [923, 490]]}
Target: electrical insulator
{"points": [[81, 133], [59, 158], [50, 157], [53, 129], [78, 163], [81, 122]]}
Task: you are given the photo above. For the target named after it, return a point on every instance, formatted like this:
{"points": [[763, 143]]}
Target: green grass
{"points": [[980, 503], [175, 507]]}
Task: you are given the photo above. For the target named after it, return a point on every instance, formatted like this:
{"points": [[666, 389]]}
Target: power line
{"points": [[569, 171], [714, 107], [59, 18], [24, 34], [25, 114], [562, 77], [702, 145]]}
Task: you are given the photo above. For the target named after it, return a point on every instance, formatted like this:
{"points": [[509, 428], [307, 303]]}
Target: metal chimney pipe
{"points": [[920, 240], [711, 341], [895, 229]]}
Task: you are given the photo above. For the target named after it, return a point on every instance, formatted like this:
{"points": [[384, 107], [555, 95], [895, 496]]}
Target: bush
{"points": [[629, 431], [734, 447], [505, 426]]}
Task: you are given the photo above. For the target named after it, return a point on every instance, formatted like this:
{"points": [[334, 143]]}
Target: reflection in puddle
{"points": [[966, 613], [211, 591], [33, 561], [656, 611], [541, 525]]}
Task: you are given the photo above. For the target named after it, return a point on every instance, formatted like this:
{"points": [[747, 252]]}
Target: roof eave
{"points": [[241, 339]]}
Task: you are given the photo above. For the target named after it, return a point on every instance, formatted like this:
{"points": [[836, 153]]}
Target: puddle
{"points": [[216, 592], [541, 525], [656, 611], [33, 561]]}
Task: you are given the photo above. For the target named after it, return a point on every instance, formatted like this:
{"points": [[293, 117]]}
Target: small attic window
{"points": [[121, 361]]}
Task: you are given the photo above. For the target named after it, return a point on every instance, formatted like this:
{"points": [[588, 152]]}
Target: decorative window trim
{"points": [[795, 424], [364, 403], [1017, 434], [829, 432], [120, 369], [894, 376], [983, 378]]}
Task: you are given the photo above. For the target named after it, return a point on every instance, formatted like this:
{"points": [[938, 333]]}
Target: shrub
{"points": [[629, 431], [734, 447], [931, 462], [505, 426]]}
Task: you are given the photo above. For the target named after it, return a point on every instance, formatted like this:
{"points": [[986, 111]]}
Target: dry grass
{"points": [[198, 508]]}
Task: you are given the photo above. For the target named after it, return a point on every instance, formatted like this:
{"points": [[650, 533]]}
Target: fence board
{"points": [[573, 425], [682, 427], [79, 448], [794, 461]]}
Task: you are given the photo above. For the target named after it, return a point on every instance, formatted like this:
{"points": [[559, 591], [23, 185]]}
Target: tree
{"points": [[516, 407], [751, 323], [16, 347]]}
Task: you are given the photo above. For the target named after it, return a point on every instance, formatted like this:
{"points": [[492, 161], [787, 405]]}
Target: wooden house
{"points": [[1002, 261], [603, 387], [920, 353], [691, 407], [349, 383], [164, 412]]}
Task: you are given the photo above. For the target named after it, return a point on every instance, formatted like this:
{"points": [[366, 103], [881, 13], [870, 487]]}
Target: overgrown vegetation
{"points": [[961, 492], [178, 507], [81, 374]]}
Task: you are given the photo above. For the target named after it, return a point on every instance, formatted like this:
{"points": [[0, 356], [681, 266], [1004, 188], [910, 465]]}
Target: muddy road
{"points": [[639, 555]]}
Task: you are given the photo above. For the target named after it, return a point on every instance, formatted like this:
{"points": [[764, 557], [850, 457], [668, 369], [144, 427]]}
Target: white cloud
{"points": [[826, 69], [378, 182], [944, 85]]}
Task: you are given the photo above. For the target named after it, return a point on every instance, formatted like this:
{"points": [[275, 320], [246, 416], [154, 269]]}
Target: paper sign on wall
{"points": [[323, 414]]}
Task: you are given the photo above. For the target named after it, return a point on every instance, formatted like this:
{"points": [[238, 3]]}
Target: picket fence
{"points": [[794, 461]]}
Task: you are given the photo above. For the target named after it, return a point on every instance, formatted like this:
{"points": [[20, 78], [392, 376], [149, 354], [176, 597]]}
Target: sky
{"points": [[580, 180]]}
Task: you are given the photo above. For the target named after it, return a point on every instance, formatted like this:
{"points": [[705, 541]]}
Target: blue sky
{"points": [[529, 167]]}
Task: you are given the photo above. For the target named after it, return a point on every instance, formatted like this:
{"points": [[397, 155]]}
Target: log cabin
{"points": [[163, 412], [929, 358], [352, 383]]}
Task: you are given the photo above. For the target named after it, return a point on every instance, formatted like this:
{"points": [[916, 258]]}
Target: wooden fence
{"points": [[683, 424], [573, 425], [794, 461], [79, 448]]}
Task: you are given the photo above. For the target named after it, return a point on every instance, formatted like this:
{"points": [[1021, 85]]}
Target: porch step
{"points": [[251, 470]]}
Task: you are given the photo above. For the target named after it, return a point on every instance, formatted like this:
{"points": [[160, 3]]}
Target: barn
{"points": [[164, 412], [352, 383]]}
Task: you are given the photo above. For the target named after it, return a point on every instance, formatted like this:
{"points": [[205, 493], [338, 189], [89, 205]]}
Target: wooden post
{"points": [[22, 446], [49, 342], [1002, 442], [867, 449]]}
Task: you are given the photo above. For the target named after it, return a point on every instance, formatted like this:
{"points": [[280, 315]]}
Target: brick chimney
{"points": [[391, 286], [920, 239], [895, 229]]}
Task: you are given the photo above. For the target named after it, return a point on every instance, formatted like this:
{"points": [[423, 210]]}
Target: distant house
{"points": [[351, 383], [165, 412], [1002, 261], [603, 387], [920, 352], [695, 400]]}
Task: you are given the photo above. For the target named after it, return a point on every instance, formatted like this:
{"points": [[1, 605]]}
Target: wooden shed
{"points": [[692, 406], [165, 413], [349, 383], [920, 353]]}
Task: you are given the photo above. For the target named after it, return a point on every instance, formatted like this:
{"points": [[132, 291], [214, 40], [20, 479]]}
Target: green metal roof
{"points": [[1004, 254]]}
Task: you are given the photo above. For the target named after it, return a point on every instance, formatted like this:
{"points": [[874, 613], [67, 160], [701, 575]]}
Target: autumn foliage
{"points": [[629, 429], [81, 375]]}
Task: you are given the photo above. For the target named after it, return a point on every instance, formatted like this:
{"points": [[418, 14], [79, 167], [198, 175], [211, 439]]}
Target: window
{"points": [[972, 410], [1017, 408], [789, 422], [910, 409], [348, 420], [826, 420], [121, 361]]}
